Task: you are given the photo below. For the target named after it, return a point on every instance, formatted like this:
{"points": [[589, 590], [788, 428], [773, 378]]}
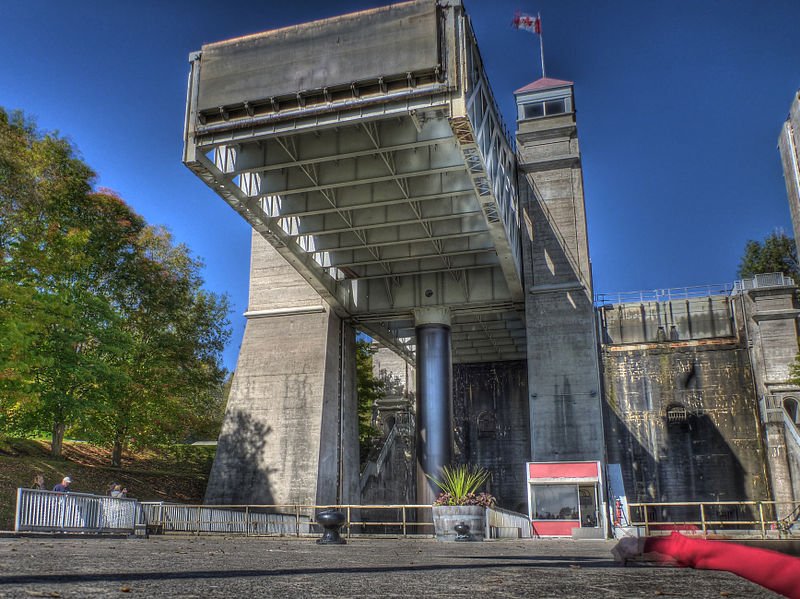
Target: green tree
{"points": [[778, 253], [104, 324], [370, 389], [61, 248]]}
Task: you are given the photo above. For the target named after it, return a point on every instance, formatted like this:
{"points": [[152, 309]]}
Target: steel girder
{"points": [[403, 199]]}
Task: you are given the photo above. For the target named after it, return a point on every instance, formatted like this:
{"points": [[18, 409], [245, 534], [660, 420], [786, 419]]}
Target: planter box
{"points": [[445, 517]]}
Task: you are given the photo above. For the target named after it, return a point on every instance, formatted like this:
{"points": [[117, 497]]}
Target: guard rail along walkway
{"points": [[50, 511]]}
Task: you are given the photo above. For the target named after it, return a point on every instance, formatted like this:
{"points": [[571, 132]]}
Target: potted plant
{"points": [[459, 503]]}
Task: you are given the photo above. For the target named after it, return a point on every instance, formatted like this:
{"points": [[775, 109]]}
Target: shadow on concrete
{"points": [[686, 459], [497, 563], [240, 474]]}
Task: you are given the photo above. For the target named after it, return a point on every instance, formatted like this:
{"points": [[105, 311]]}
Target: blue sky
{"points": [[679, 108]]}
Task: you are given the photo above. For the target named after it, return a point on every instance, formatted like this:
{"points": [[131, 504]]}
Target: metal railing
{"points": [[49, 511], [505, 524], [286, 519], [772, 279], [747, 518], [662, 295]]}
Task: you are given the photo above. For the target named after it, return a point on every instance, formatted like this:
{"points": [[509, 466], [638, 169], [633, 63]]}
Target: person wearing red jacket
{"points": [[772, 570]]}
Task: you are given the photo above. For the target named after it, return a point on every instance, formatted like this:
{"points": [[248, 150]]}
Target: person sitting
{"points": [[63, 486], [118, 492]]}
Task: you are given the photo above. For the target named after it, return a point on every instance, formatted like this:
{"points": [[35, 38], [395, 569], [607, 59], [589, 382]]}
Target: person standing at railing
{"points": [[118, 492], [38, 482], [775, 571], [63, 486]]}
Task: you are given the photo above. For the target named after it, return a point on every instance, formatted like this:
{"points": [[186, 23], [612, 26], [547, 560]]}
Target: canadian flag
{"points": [[527, 23]]}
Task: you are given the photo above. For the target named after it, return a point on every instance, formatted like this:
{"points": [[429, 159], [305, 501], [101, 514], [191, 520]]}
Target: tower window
{"points": [[534, 110], [554, 107]]}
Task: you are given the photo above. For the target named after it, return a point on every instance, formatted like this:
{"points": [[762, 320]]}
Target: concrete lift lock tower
{"points": [[368, 154]]}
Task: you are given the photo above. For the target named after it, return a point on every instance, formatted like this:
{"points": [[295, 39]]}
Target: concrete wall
{"points": [[490, 404], [789, 146], [705, 418], [310, 57], [682, 420], [673, 320], [290, 433], [563, 379], [770, 314]]}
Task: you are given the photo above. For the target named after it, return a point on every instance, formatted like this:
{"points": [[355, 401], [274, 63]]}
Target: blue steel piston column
{"points": [[434, 398]]}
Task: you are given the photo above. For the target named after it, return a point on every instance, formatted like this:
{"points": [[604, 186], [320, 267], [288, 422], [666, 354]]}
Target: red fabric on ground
{"points": [[773, 570]]}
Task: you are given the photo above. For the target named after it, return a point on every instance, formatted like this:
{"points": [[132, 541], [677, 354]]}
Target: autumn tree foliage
{"points": [[105, 328]]}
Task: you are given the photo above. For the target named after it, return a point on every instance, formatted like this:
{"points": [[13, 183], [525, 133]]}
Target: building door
{"points": [[587, 495]]}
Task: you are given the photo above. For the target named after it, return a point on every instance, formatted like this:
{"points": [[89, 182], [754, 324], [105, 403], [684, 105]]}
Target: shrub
{"points": [[459, 485]]}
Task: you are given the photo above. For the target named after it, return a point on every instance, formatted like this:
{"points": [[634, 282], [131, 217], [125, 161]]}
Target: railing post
{"points": [[703, 518], [18, 510], [405, 532], [297, 519], [761, 520], [646, 521], [348, 522], [199, 510], [247, 520]]}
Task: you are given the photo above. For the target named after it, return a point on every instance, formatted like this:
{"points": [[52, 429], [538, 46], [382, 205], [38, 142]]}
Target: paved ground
{"points": [[185, 567]]}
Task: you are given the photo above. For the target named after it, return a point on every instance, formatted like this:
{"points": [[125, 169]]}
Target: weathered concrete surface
{"points": [[290, 433], [563, 370], [682, 420], [489, 404], [247, 567], [789, 146], [681, 319], [770, 317]]}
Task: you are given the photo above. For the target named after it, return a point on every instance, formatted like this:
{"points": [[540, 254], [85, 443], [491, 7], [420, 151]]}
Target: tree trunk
{"points": [[58, 439], [116, 454]]}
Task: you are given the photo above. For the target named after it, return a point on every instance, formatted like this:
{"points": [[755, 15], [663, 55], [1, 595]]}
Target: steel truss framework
{"points": [[386, 202]]}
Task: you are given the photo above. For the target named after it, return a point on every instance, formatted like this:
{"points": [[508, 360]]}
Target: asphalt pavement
{"points": [[202, 567]]}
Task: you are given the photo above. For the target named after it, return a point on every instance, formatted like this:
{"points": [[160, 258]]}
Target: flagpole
{"points": [[541, 44]]}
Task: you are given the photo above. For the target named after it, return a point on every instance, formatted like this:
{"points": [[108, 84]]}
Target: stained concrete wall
{"points": [[290, 433], [490, 407], [789, 147], [691, 318], [682, 420], [770, 314]]}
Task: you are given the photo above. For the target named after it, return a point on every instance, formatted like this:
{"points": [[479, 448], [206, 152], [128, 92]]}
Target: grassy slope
{"points": [[177, 474]]}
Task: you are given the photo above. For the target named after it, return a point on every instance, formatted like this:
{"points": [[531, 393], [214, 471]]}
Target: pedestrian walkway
{"points": [[289, 567]]}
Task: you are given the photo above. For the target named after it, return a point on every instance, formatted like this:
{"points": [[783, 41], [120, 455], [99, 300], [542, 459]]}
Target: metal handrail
{"points": [[253, 519], [766, 511], [662, 295], [52, 511]]}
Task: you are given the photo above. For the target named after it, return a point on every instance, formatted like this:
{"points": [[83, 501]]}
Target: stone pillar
{"points": [[563, 367], [434, 398], [290, 433], [771, 310]]}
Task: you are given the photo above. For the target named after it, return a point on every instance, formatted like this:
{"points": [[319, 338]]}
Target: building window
{"points": [[555, 107], [555, 502], [676, 414], [534, 110], [487, 425]]}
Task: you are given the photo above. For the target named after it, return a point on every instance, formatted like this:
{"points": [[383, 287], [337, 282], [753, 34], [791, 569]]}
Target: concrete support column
{"points": [[434, 397]]}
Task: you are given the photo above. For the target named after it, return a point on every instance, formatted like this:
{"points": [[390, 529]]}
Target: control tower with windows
{"points": [[563, 375]]}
